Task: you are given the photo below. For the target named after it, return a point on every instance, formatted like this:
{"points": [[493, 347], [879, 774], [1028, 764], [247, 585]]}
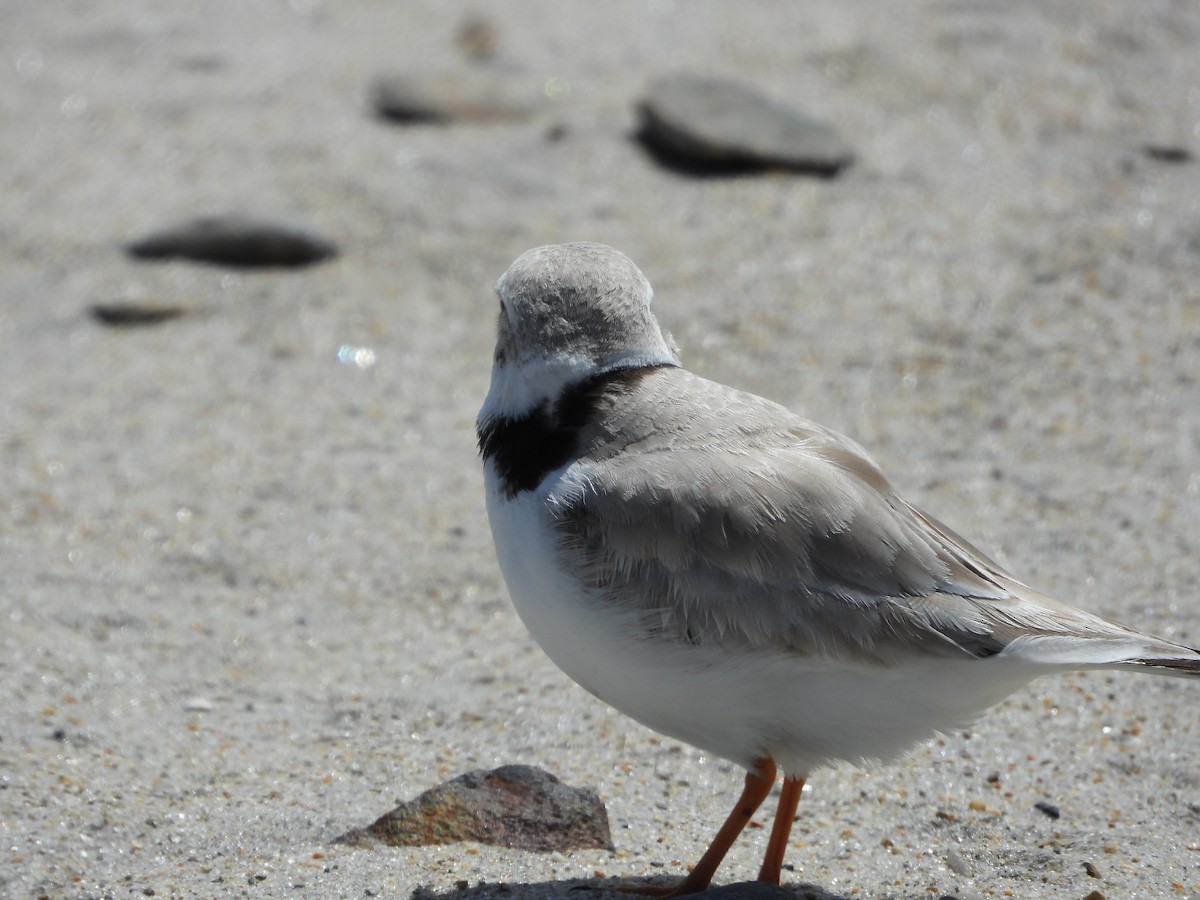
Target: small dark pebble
{"points": [[477, 38], [1048, 808], [709, 125], [1168, 153], [235, 240], [131, 315], [1092, 871]]}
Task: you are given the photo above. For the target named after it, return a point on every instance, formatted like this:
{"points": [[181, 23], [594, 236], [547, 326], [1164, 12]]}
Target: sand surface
{"points": [[247, 591]]}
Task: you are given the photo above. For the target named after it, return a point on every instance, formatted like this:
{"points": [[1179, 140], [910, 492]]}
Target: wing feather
{"points": [[727, 518]]}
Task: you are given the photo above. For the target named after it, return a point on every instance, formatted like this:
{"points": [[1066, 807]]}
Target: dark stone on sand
{"points": [[128, 314], [519, 807], [1048, 808], [709, 124], [433, 99], [1171, 153], [235, 240]]}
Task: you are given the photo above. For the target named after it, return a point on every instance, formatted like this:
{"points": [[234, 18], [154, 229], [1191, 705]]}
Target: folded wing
{"points": [[782, 534]]}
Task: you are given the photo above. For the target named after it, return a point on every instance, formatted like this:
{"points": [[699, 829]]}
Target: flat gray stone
{"points": [[440, 99], [234, 240], [134, 314], [701, 122]]}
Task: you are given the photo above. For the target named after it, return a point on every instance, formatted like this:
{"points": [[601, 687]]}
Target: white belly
{"points": [[740, 705]]}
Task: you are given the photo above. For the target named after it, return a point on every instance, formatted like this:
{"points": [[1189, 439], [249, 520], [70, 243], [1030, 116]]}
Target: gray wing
{"points": [[725, 518]]}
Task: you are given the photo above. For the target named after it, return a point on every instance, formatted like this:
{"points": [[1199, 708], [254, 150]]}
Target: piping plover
{"points": [[728, 573]]}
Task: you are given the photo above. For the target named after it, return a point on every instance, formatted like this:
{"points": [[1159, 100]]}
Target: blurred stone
{"points": [[519, 807], [477, 38], [234, 240], [956, 864], [1172, 153], [129, 314], [416, 99], [704, 123]]}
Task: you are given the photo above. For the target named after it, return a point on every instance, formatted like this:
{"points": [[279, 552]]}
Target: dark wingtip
{"points": [[1174, 666]]}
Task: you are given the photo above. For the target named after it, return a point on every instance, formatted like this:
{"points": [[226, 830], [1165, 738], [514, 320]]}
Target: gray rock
{"points": [[419, 98], [520, 807], [129, 314], [705, 123], [1169, 153], [234, 240]]}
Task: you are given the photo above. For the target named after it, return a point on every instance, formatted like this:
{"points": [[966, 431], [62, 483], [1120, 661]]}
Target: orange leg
{"points": [[785, 813], [759, 782]]}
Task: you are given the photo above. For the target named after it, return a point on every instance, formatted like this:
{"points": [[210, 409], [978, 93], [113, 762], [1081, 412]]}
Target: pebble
{"points": [[1048, 808], [124, 314], [234, 240], [434, 99], [956, 864], [706, 124], [477, 38], [519, 807], [1171, 153], [198, 704]]}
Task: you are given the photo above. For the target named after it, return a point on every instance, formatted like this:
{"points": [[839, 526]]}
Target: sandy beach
{"points": [[248, 597]]}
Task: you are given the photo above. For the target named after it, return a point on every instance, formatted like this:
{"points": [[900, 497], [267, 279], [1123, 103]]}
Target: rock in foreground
{"points": [[519, 807]]}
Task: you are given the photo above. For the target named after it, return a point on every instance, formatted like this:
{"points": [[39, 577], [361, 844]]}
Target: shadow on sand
{"points": [[622, 889]]}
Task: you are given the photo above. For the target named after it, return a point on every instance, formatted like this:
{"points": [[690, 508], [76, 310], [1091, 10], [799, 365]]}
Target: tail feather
{"points": [[1120, 648]]}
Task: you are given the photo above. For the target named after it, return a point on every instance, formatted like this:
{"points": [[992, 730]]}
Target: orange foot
{"points": [[759, 782]]}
